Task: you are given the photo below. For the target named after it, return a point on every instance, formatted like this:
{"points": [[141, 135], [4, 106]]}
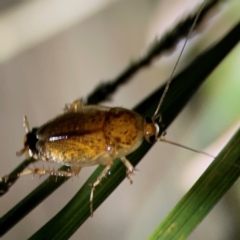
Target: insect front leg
{"points": [[96, 183]]}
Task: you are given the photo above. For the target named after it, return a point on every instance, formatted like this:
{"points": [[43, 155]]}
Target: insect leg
{"points": [[75, 106], [130, 168], [53, 172], [96, 183]]}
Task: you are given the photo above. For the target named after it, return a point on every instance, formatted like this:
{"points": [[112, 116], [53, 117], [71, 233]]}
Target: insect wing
{"points": [[73, 138], [71, 125], [81, 150]]}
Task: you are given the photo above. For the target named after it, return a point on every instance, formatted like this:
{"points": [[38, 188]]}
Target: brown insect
{"points": [[86, 136]]}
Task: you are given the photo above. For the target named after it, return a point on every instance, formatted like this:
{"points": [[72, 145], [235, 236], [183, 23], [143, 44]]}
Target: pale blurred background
{"points": [[54, 51]]}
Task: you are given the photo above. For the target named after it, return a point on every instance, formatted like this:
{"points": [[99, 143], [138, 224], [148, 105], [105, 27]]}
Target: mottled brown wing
{"points": [[82, 150], [72, 124]]}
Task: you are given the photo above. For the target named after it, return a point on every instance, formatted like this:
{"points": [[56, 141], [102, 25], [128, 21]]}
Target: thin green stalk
{"points": [[203, 196]]}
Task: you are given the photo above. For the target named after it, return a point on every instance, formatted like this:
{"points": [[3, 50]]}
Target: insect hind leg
{"points": [[75, 106], [57, 173]]}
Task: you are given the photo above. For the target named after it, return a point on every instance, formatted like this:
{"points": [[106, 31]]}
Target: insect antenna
{"points": [[157, 114], [162, 139]]}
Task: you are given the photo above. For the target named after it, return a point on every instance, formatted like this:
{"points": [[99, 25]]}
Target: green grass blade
{"points": [[204, 195]]}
